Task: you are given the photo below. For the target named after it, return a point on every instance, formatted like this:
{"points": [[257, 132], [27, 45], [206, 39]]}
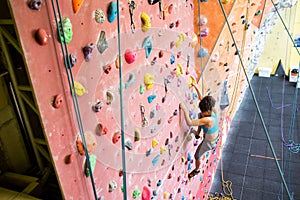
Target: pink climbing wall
{"points": [[162, 151]]}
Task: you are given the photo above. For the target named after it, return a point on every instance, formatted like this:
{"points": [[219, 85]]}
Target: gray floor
{"points": [[247, 156]]}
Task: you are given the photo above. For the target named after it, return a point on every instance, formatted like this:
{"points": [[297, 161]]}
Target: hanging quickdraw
{"points": [[132, 6], [145, 121]]}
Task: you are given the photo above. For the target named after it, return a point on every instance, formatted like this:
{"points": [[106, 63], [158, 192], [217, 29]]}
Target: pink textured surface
{"points": [[48, 76]]}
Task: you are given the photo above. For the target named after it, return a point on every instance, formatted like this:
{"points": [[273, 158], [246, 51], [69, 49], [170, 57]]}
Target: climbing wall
{"points": [[160, 56]]}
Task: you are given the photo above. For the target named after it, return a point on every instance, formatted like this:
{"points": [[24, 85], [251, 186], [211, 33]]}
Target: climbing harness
{"points": [[68, 66], [256, 104], [132, 6]]}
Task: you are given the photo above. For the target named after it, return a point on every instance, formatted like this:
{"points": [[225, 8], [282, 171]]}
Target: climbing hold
{"points": [[203, 20], [137, 134], [129, 56], [159, 121], [152, 2], [179, 70], [147, 45], [146, 22], [162, 149], [41, 37], [116, 137], [142, 89], [258, 13], [69, 158], [144, 119], [153, 129], [130, 81], [128, 144], [154, 61], [107, 68], [149, 152], [160, 54], [204, 31], [112, 185], [172, 59], [79, 89], [148, 80], [136, 193], [225, 1], [172, 44], [35, 4], [155, 160], [91, 143], [111, 11], [93, 160], [58, 101], [171, 25], [166, 195], [159, 183], [97, 107], [102, 44], [146, 193], [101, 129], [109, 97], [66, 34], [76, 5], [192, 81], [215, 57], [73, 59], [180, 38], [87, 52], [151, 98], [177, 23], [99, 16], [194, 41], [167, 141], [152, 114], [178, 54], [154, 143], [202, 52]]}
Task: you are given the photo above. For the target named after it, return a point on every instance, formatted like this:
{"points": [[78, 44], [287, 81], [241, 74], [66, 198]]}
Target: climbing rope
{"points": [[121, 104], [67, 63], [256, 104]]}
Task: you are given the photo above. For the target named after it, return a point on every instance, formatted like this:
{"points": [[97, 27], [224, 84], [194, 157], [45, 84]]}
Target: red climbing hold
{"points": [[58, 101], [146, 194], [41, 37]]}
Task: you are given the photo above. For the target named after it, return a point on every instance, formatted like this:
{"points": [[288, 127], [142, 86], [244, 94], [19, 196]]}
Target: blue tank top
{"points": [[213, 129]]}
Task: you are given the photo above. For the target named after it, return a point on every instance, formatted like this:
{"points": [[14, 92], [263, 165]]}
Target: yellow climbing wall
{"points": [[278, 44]]}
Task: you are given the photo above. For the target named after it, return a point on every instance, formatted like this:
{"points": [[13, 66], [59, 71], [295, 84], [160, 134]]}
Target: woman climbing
{"points": [[208, 122]]}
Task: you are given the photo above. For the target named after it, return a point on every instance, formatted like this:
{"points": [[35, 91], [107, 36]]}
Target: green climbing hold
{"points": [[136, 193], [66, 32], [258, 13], [93, 159]]}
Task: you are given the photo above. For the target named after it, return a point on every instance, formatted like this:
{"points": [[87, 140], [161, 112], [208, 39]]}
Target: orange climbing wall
{"points": [[166, 137]]}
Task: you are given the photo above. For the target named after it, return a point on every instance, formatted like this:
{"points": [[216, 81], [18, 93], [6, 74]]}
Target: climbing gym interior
{"points": [[90, 91]]}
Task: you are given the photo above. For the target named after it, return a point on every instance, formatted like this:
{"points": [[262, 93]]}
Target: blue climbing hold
{"points": [[151, 98], [112, 11], [130, 81], [155, 160], [147, 45], [172, 59], [189, 157], [202, 52], [189, 166], [159, 183], [149, 152]]}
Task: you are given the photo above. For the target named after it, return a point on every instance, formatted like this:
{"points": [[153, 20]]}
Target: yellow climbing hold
{"points": [[146, 22], [166, 195], [180, 38], [225, 1], [162, 149], [154, 143], [192, 81], [79, 89], [179, 70], [137, 134], [194, 41], [182, 160], [149, 80]]}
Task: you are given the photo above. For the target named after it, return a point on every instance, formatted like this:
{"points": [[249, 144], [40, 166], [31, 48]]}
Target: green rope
{"points": [[64, 49], [121, 104], [256, 104]]}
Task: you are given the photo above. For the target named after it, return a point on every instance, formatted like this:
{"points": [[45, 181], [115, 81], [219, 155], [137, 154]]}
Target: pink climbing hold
{"points": [[146, 194], [130, 56]]}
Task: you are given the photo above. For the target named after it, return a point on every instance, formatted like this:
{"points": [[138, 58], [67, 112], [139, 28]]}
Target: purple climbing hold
{"points": [[35, 4], [87, 52]]}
